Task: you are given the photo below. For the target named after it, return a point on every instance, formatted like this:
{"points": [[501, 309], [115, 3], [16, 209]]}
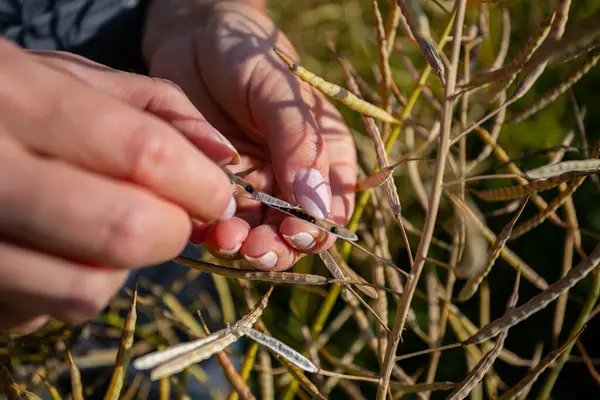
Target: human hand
{"points": [[96, 176], [222, 57]]}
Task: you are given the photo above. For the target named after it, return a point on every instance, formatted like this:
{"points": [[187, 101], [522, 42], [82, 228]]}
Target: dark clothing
{"points": [[105, 31], [108, 32]]}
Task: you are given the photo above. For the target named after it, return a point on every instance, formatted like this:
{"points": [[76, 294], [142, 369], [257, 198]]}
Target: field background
{"points": [[349, 24]]}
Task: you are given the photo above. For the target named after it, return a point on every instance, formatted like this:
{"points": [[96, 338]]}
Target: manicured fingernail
{"points": [[266, 261], [230, 211], [227, 254], [312, 193], [236, 156], [301, 240]]}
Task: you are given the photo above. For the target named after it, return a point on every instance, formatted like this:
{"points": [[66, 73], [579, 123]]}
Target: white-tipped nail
{"points": [[301, 240], [230, 211], [227, 254], [266, 261], [312, 193], [226, 142]]}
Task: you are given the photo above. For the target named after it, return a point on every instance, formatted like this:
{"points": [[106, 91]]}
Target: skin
{"points": [[85, 152], [99, 169], [220, 53]]}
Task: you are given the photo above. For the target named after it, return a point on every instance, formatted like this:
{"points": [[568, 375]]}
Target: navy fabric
{"points": [[106, 31]]}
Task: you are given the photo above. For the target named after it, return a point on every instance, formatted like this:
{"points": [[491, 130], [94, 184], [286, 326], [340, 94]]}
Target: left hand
{"points": [[303, 150]]}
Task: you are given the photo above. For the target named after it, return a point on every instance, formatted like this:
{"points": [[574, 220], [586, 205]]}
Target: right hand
{"points": [[100, 171]]}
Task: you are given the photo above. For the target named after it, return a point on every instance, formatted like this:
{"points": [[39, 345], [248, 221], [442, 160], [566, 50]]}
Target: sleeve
{"points": [[106, 31]]}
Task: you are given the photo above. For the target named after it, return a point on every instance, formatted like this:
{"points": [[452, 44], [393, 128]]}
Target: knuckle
{"points": [[123, 241], [149, 153], [218, 194], [166, 85]]}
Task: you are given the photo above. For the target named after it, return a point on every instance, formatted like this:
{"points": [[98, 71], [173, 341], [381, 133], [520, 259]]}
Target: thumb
{"points": [[283, 109], [259, 92]]}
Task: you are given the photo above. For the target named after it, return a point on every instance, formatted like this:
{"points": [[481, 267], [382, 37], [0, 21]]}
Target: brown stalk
{"points": [[384, 65], [432, 209], [381, 305], [233, 377], [588, 362]]}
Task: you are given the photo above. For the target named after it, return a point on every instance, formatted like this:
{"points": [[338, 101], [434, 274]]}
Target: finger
{"points": [[15, 321], [264, 249], [36, 282], [54, 206], [177, 62], [261, 178], [343, 172], [160, 97], [98, 132], [274, 104], [247, 208], [225, 239]]}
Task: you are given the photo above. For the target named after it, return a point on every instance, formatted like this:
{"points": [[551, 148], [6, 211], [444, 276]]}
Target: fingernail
{"points": [[230, 211], [236, 156], [266, 261], [312, 193], [227, 254], [301, 240]]}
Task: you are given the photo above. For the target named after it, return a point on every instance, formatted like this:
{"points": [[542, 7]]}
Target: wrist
{"points": [[167, 19]]}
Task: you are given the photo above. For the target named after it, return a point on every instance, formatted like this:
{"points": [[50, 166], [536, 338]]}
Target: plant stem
{"points": [[434, 202]]}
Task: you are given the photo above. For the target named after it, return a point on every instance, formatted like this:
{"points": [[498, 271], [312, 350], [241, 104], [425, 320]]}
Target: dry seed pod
{"points": [[551, 29], [173, 360], [8, 387], [153, 359], [76, 387], [422, 387], [550, 208], [337, 92], [266, 276], [54, 394], [486, 362], [350, 274], [432, 57], [549, 171], [257, 195], [581, 37], [473, 283], [183, 361], [538, 302], [381, 176], [280, 348], [122, 359], [554, 93], [504, 75], [294, 211], [419, 28], [560, 21], [513, 192], [532, 376]]}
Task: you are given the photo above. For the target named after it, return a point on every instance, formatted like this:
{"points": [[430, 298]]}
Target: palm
{"points": [[278, 125]]}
